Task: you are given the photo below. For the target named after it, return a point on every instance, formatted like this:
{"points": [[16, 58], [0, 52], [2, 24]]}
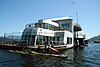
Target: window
{"points": [[58, 38], [65, 26], [44, 38], [51, 38], [40, 38], [29, 25], [46, 26], [61, 38], [69, 40]]}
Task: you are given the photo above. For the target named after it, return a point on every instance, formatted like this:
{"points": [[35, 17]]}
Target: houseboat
{"points": [[56, 34]]}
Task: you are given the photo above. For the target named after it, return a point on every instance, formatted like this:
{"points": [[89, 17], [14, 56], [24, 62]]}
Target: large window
{"points": [[46, 26], [65, 26], [69, 40], [29, 39]]}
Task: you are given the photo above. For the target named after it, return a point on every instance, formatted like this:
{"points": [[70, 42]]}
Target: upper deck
{"points": [[57, 24]]}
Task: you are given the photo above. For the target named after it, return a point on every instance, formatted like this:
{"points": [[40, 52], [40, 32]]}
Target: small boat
{"points": [[97, 41]]}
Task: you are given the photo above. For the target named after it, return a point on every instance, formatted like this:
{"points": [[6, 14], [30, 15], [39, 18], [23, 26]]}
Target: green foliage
{"points": [[94, 38]]}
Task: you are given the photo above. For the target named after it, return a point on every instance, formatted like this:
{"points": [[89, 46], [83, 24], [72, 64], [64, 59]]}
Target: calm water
{"points": [[87, 57]]}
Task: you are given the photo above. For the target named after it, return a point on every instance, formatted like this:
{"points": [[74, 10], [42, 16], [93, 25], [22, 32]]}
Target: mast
{"points": [[77, 22]]}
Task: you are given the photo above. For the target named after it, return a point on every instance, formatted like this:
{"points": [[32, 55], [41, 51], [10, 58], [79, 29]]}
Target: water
{"points": [[87, 57]]}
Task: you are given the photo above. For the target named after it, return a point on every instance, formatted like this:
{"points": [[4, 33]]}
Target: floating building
{"points": [[59, 33]]}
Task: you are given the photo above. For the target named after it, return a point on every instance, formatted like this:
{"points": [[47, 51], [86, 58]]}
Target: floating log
{"points": [[53, 49], [42, 54], [53, 55]]}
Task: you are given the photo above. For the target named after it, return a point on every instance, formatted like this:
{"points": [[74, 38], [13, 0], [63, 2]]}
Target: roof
{"points": [[61, 18]]}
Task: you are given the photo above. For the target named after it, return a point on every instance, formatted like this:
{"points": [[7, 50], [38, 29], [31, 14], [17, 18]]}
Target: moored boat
{"points": [[97, 41], [57, 33]]}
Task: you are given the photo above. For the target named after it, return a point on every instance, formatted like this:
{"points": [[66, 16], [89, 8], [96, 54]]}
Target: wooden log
{"points": [[53, 55], [42, 54], [53, 49]]}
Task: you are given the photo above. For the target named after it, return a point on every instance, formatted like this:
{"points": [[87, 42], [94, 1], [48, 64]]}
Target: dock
{"points": [[13, 47]]}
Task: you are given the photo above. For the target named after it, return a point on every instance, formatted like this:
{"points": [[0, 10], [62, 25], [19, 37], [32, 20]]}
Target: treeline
{"points": [[94, 38]]}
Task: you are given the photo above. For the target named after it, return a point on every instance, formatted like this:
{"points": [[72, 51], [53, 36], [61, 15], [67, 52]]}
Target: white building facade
{"points": [[56, 32]]}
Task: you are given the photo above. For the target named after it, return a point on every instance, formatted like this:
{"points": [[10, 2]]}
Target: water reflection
{"points": [[75, 56], [86, 57], [74, 59]]}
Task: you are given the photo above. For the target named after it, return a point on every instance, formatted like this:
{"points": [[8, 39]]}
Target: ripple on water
{"points": [[87, 57]]}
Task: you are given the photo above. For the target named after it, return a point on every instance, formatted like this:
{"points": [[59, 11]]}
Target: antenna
{"points": [[77, 22], [77, 17]]}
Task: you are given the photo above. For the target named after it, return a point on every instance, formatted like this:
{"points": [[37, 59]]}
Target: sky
{"points": [[15, 14]]}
